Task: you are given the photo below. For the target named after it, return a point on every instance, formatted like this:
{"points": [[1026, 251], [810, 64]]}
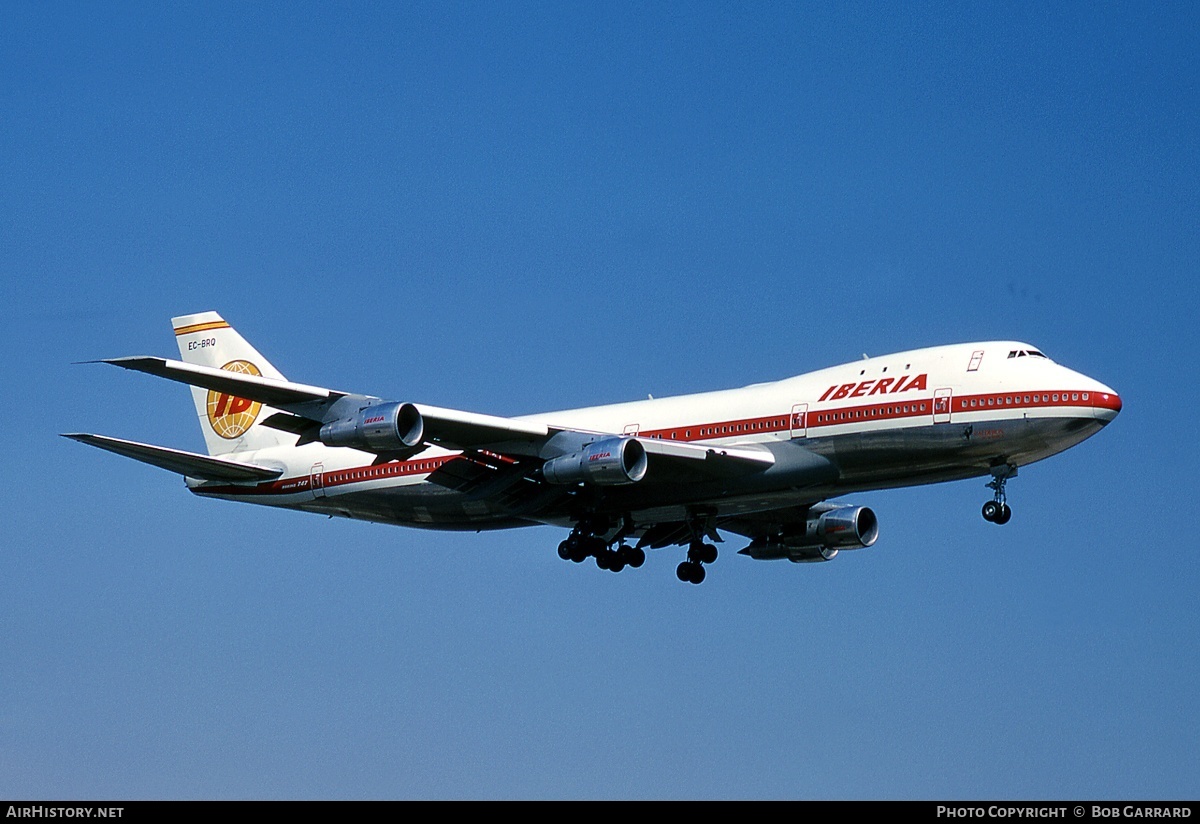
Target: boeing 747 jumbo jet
{"points": [[760, 462]]}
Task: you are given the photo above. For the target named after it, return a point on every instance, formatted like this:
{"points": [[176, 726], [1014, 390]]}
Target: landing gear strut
{"points": [[997, 510]]}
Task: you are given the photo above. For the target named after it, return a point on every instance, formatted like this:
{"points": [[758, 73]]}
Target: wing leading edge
{"points": [[308, 408]]}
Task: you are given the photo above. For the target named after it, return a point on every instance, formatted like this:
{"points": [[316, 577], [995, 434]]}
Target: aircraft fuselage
{"points": [[918, 417]]}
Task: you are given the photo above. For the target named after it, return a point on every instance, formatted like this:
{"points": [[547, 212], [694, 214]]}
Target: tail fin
{"points": [[229, 424]]}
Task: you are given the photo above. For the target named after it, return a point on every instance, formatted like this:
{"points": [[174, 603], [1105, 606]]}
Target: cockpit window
{"points": [[1020, 353]]}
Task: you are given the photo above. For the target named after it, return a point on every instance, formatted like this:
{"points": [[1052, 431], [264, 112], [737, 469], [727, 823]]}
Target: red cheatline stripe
{"points": [[201, 327], [338, 477], [816, 420]]}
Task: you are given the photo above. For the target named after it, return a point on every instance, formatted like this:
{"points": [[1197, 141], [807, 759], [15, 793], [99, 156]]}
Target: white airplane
{"points": [[760, 461]]}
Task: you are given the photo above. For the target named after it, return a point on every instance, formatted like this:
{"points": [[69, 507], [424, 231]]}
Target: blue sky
{"points": [[515, 207]]}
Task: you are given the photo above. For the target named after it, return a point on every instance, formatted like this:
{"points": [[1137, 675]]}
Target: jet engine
{"points": [[828, 529], [606, 462], [384, 426]]}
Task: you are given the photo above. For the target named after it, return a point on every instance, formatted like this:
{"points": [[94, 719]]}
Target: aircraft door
{"points": [[800, 420], [316, 480], [942, 401]]}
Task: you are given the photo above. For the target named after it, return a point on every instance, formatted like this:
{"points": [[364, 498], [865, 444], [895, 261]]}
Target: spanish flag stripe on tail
{"points": [[201, 327]]}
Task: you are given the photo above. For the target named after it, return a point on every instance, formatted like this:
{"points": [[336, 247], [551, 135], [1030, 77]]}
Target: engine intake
{"points": [[607, 462], [382, 427], [844, 527]]}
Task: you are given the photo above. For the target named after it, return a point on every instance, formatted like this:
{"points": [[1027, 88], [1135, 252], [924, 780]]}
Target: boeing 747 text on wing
{"points": [[761, 461]]}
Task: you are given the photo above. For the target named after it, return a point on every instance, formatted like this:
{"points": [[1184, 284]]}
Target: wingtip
{"points": [[132, 361], [112, 361]]}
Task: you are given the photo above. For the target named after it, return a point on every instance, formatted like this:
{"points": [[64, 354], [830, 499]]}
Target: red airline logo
{"points": [[229, 415], [882, 386]]}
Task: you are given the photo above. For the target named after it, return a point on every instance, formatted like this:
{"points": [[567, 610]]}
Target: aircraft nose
{"points": [[1105, 404]]}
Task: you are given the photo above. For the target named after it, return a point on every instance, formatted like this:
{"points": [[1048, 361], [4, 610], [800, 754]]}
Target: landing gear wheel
{"points": [[630, 556], [564, 551], [1003, 515], [991, 510], [690, 572], [702, 553]]}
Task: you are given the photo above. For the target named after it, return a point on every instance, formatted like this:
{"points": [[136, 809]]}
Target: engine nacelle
{"points": [[382, 427], [608, 462], [829, 528], [842, 527]]}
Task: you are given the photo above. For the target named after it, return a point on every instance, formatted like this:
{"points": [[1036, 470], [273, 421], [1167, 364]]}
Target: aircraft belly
{"points": [[949, 451], [863, 461], [422, 505], [416, 505]]}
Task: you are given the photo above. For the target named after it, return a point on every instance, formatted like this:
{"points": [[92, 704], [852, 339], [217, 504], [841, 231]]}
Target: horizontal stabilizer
{"points": [[176, 460]]}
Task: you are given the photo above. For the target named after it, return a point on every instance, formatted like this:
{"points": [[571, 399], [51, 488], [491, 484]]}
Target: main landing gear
{"points": [[611, 553], [700, 525], [997, 510], [691, 571], [605, 539]]}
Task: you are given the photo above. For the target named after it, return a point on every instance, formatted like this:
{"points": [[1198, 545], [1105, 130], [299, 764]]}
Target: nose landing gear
{"points": [[997, 510]]}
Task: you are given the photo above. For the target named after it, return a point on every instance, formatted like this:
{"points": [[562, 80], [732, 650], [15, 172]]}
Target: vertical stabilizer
{"points": [[229, 424]]}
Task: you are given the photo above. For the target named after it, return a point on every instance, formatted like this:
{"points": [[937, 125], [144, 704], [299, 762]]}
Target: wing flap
{"points": [[470, 430], [685, 461], [190, 464]]}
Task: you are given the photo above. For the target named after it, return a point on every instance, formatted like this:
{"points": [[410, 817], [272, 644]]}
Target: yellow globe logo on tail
{"points": [[228, 415]]}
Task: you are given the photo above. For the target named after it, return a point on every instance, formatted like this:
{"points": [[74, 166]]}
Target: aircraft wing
{"points": [[309, 407], [176, 460], [668, 460]]}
